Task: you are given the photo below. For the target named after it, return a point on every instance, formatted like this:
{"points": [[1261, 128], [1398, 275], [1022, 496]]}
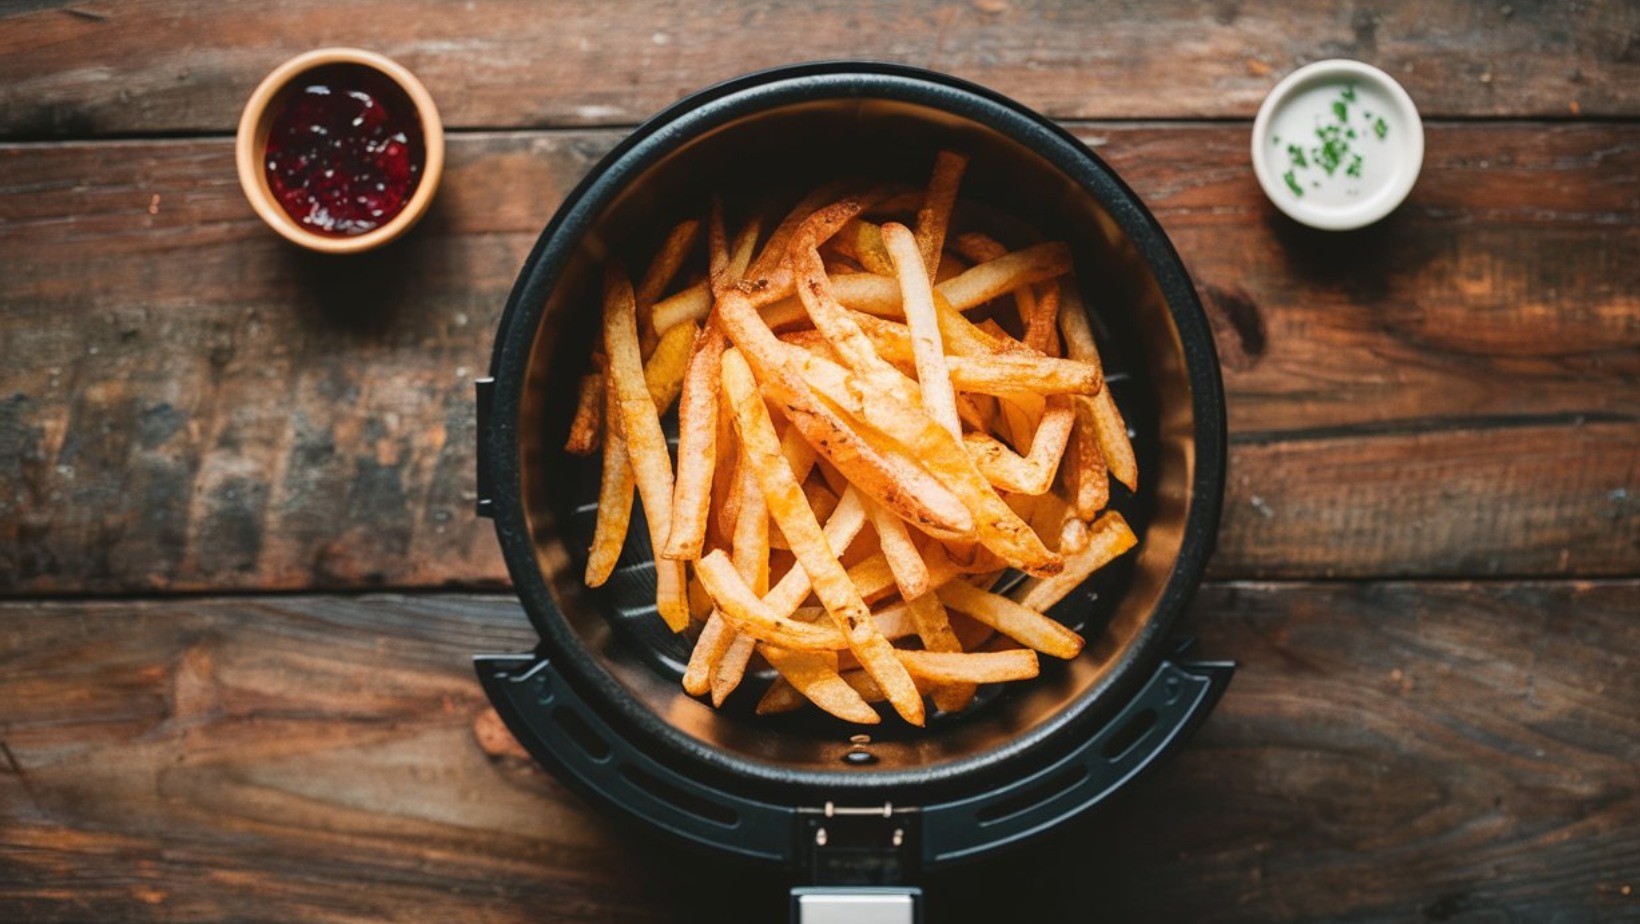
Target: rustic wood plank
{"points": [[191, 404], [1451, 750], [91, 68]]}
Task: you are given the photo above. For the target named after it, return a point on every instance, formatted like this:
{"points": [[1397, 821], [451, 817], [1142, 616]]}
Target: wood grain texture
{"points": [[91, 68], [1386, 752], [191, 404]]}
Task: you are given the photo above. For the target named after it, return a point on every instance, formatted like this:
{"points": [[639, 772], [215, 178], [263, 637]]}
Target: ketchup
{"points": [[345, 154]]}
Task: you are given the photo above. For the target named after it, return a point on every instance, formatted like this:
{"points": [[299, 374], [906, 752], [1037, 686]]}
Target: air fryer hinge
{"points": [[858, 845]]}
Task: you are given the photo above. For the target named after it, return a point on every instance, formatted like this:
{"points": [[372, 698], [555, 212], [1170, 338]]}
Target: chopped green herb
{"points": [[1349, 93], [1380, 128], [1341, 110], [1296, 154], [1292, 184], [1354, 169], [1350, 134]]}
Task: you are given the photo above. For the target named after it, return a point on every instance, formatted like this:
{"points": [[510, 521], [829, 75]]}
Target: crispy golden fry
{"points": [[831, 581], [978, 246], [1020, 623], [1109, 428], [997, 527], [614, 497], [935, 214], [922, 320], [697, 445], [842, 527], [715, 639], [1108, 537], [754, 617], [862, 242], [898, 549], [1087, 479], [645, 444], [664, 371], [1006, 273], [1114, 443], [1034, 472], [661, 271], [751, 558], [814, 674], [934, 628], [1040, 315], [890, 479], [942, 667], [691, 304], [589, 416]]}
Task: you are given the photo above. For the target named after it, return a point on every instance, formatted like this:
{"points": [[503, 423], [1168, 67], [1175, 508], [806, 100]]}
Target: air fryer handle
{"points": [[569, 737], [1153, 724]]}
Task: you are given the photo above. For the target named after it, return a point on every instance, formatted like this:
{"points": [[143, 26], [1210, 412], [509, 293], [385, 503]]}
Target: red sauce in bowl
{"points": [[346, 152]]}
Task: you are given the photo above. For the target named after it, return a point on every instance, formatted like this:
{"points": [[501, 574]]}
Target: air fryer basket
{"points": [[600, 701]]}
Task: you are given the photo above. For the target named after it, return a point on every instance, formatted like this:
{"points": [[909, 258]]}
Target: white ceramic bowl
{"points": [[1337, 145]]}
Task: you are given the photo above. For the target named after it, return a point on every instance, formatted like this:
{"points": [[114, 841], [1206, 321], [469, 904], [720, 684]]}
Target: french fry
{"points": [[892, 480], [1088, 478], [1111, 431], [940, 667], [862, 242], [697, 445], [751, 616], [1108, 537], [814, 675], [831, 581], [615, 489], [691, 304], [841, 529], [1109, 428], [1020, 623], [997, 527], [898, 549], [645, 444], [934, 628], [1006, 273], [935, 214], [589, 416], [1034, 472], [1040, 315], [751, 558], [715, 639], [664, 371], [659, 275], [922, 320]]}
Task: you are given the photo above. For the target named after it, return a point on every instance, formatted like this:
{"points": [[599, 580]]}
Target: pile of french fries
{"points": [[876, 420]]}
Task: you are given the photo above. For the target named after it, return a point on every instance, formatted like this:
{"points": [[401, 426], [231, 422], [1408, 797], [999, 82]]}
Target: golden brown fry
{"points": [[1109, 428], [589, 416], [890, 479], [814, 674], [831, 581], [842, 527], [1034, 472], [1006, 273], [715, 639], [645, 444], [751, 557], [1020, 623], [614, 497], [996, 527], [754, 617], [934, 628], [1108, 537], [1040, 315], [691, 304], [970, 667], [904, 560], [664, 371], [697, 446], [862, 242], [661, 271], [922, 320], [1087, 478], [935, 214], [1114, 443]]}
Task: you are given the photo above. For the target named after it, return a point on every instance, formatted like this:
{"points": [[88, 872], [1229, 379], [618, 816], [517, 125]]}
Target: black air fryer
{"points": [[859, 816]]}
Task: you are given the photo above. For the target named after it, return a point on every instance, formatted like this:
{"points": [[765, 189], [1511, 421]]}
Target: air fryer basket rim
{"points": [[720, 104]]}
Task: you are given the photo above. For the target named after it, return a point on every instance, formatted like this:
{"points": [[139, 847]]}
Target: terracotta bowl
{"points": [[264, 105]]}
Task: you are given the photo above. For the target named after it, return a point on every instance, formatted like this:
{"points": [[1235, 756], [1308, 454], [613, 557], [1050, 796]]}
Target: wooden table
{"points": [[243, 580]]}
